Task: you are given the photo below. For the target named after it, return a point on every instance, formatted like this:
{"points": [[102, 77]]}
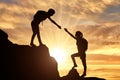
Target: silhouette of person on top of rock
{"points": [[37, 19], [82, 46]]}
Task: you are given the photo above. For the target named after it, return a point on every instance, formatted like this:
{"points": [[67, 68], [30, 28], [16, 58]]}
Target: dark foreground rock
{"points": [[74, 75], [22, 62]]}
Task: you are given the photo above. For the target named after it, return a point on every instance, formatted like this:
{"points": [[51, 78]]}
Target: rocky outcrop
{"points": [[22, 62], [74, 75]]}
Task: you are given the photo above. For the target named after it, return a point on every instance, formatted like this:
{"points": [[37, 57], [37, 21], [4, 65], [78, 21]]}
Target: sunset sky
{"points": [[98, 20]]}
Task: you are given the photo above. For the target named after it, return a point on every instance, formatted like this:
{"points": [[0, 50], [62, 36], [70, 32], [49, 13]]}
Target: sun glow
{"points": [[58, 54]]}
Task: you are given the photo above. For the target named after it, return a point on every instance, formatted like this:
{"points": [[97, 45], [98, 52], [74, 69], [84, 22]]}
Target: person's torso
{"points": [[40, 16], [82, 45]]}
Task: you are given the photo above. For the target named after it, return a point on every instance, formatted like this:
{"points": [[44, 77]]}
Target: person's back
{"points": [[82, 45], [40, 16]]}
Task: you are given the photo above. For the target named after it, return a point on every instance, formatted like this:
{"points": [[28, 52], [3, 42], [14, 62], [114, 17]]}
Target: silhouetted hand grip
{"points": [[59, 27], [66, 29]]}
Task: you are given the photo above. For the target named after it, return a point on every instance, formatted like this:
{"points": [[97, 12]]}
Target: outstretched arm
{"points": [[69, 33], [54, 23]]}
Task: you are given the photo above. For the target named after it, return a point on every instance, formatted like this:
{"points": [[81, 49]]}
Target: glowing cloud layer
{"points": [[97, 19]]}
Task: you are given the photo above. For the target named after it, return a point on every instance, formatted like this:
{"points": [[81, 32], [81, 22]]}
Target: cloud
{"points": [[76, 9], [103, 59], [97, 19], [88, 7], [8, 1], [96, 10], [102, 31], [14, 15], [19, 35]]}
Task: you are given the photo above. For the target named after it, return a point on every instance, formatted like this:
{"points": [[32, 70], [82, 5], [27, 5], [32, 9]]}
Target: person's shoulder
{"points": [[85, 40], [41, 11]]}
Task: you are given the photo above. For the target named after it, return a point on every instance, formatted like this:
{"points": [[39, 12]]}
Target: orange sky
{"points": [[99, 20]]}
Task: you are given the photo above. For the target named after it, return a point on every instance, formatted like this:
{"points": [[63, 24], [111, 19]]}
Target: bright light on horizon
{"points": [[58, 54]]}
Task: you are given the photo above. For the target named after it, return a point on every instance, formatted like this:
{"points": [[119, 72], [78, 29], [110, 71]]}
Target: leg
{"points": [[39, 38], [84, 65], [73, 59], [34, 30], [33, 36]]}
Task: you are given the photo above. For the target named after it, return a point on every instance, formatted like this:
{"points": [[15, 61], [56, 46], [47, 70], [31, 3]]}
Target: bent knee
{"points": [[75, 55], [72, 56]]}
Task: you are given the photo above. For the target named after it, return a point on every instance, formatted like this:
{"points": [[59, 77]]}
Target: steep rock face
{"points": [[22, 62]]}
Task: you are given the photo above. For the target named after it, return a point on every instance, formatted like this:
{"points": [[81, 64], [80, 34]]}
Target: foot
{"points": [[33, 45], [74, 66], [83, 75], [41, 44]]}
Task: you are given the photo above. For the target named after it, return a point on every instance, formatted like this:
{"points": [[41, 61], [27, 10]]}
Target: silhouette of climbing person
{"points": [[82, 45], [37, 19]]}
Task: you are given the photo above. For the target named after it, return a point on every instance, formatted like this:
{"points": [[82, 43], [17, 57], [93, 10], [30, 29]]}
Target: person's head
{"points": [[51, 12], [79, 34]]}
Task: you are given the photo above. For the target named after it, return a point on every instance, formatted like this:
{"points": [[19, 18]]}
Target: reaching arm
{"points": [[54, 23], [69, 33]]}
